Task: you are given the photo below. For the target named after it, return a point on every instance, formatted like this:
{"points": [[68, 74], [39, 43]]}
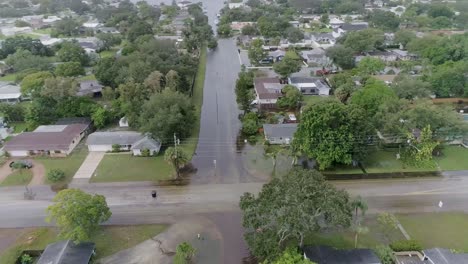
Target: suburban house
{"points": [[90, 87], [9, 93], [267, 91], [431, 256], [404, 55], [238, 26], [329, 255], [127, 140], [279, 133], [385, 56], [310, 85], [236, 5], [183, 4], [315, 57], [277, 55], [67, 252], [323, 40], [51, 140]]}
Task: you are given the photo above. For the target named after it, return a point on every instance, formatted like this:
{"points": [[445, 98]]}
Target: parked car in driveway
{"points": [[21, 164]]}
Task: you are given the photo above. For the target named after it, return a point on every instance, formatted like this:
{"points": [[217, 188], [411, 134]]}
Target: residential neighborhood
{"points": [[239, 131]]}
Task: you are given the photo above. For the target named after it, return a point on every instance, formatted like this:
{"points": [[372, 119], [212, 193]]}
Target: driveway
{"points": [[161, 248], [89, 165], [38, 172]]}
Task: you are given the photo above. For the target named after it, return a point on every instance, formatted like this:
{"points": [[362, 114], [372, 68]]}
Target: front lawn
{"points": [[123, 167], [90, 77], [344, 239], [68, 164], [18, 127], [8, 78], [312, 99], [453, 158], [109, 240], [18, 177], [446, 230]]}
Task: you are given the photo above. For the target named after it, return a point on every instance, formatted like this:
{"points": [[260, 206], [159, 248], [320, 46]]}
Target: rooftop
{"points": [[279, 130], [66, 252], [329, 255], [111, 138], [445, 256], [54, 137], [9, 91], [268, 88]]}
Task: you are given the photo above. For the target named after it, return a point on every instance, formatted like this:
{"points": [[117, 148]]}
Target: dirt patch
{"points": [[39, 173]]}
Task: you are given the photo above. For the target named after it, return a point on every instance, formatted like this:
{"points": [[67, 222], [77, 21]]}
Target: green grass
{"points": [[312, 99], [88, 78], [197, 100], [453, 158], [344, 239], [108, 53], [30, 35], [68, 164], [8, 78], [109, 240], [123, 167], [446, 230], [43, 31], [18, 177], [18, 127]]}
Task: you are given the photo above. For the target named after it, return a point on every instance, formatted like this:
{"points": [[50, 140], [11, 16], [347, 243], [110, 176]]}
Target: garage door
{"points": [[99, 147], [18, 153]]}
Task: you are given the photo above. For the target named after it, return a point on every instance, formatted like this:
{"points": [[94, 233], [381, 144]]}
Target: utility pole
{"points": [[176, 158]]}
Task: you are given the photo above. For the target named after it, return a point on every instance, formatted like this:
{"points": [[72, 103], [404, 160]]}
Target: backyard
{"points": [[109, 240], [125, 167], [446, 230]]}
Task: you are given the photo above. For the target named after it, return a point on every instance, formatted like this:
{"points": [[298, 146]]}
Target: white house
{"points": [[310, 85], [127, 140], [9, 93], [236, 5]]}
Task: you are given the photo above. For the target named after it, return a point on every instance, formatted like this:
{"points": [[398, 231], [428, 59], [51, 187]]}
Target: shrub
{"points": [[55, 175], [145, 152], [406, 245], [115, 148], [249, 127], [385, 254]]}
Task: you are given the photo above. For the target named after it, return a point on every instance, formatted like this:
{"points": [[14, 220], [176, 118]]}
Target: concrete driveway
{"points": [[89, 165]]}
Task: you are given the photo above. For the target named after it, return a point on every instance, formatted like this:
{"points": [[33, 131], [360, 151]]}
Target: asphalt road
{"points": [[133, 204]]}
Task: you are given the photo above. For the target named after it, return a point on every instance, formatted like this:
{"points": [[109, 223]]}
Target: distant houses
{"points": [[9, 93]]}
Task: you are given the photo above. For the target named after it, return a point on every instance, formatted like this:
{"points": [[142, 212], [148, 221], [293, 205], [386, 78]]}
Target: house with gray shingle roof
{"points": [[279, 133], [127, 140]]}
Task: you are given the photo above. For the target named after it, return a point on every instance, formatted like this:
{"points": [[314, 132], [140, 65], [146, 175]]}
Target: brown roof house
{"points": [[267, 92], [52, 140]]}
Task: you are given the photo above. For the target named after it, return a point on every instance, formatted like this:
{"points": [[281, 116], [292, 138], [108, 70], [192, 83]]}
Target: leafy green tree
{"points": [[288, 65], [448, 79], [388, 223], [139, 28], [23, 60], [33, 83], [331, 132], [294, 35], [132, 95], [345, 91], [341, 56], [72, 51], [290, 207], [256, 51], [404, 37], [440, 10], [364, 40], [78, 214], [100, 117], [106, 70], [109, 40], [177, 157], [167, 113], [249, 127], [419, 150], [291, 98], [249, 30], [59, 88], [224, 30], [244, 90], [69, 69], [68, 27], [370, 65], [172, 80], [441, 22], [372, 95], [291, 256], [272, 26], [40, 112], [13, 44], [385, 20], [410, 88], [154, 82], [12, 112]]}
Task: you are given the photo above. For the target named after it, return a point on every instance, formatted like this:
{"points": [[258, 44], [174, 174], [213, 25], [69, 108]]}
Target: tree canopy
{"points": [[331, 133], [341, 56], [290, 207], [78, 214], [290, 64]]}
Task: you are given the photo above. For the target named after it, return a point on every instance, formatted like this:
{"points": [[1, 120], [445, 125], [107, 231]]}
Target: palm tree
{"points": [[359, 204], [358, 229], [177, 157]]}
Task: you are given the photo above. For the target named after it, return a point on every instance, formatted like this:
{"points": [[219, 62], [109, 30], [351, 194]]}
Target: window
{"points": [[57, 151]]}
